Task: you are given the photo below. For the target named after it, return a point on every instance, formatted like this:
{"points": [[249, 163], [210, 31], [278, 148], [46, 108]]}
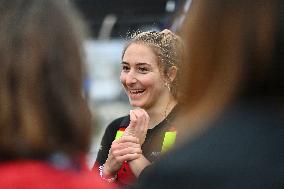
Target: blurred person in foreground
{"points": [[234, 89], [149, 74], [44, 118]]}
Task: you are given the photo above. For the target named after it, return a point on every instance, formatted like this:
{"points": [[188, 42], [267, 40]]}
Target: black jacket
{"points": [[243, 149]]}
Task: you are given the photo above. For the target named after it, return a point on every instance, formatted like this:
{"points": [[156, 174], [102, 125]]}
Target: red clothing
{"points": [[41, 175], [125, 176]]}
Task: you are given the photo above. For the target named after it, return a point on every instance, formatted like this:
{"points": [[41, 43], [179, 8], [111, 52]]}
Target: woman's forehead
{"points": [[140, 53]]}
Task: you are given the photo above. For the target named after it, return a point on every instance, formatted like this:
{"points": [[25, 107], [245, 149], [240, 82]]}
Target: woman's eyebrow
{"points": [[143, 64], [123, 62], [137, 64]]}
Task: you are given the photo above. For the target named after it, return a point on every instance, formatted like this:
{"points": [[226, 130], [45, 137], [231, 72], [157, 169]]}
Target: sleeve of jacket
{"points": [[107, 139]]}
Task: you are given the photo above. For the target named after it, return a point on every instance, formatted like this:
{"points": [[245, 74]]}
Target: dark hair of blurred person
{"points": [[234, 89], [44, 118]]}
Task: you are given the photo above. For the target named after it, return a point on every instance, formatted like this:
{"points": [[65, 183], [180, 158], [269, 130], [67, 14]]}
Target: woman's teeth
{"points": [[136, 91]]}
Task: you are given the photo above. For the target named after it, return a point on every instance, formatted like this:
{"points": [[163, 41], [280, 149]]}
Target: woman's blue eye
{"points": [[125, 68], [143, 69]]}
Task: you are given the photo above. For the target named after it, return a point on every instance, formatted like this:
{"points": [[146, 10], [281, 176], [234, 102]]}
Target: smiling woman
{"points": [[141, 77], [149, 73]]}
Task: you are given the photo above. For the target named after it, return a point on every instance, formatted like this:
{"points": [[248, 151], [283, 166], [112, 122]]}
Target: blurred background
{"points": [[111, 22]]}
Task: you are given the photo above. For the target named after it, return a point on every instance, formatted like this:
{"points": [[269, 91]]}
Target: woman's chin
{"points": [[136, 104]]}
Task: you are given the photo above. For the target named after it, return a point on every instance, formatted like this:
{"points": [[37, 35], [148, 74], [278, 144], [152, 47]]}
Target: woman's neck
{"points": [[159, 112]]}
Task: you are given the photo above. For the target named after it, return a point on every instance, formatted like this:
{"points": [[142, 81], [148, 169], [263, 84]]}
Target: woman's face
{"points": [[141, 77]]}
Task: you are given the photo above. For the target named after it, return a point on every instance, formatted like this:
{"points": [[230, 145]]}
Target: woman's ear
{"points": [[172, 73]]}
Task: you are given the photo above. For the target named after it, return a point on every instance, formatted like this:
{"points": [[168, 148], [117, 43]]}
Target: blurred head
{"points": [[234, 53], [42, 108], [150, 63]]}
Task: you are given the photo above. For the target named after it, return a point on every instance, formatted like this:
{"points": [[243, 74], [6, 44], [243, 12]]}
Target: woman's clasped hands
{"points": [[128, 147]]}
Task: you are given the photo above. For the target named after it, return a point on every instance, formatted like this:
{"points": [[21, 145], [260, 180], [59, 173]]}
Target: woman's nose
{"points": [[130, 78]]}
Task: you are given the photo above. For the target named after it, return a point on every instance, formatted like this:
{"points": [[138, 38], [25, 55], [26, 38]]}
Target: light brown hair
{"points": [[234, 53], [42, 106]]}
